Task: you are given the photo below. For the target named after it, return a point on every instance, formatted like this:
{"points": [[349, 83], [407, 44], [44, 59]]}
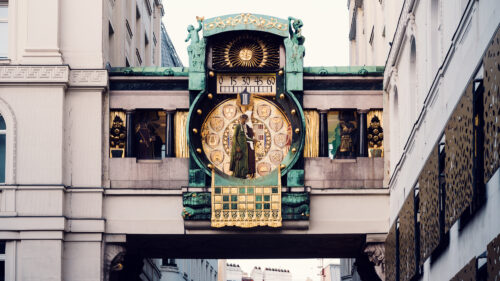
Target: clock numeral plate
{"points": [[260, 84]]}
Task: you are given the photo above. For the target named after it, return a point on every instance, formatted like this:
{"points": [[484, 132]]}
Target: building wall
{"points": [[437, 49]]}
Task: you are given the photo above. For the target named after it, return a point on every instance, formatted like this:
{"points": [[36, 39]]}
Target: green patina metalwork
{"points": [[295, 51], [245, 21], [149, 71], [295, 178], [196, 53], [295, 206], [344, 71], [197, 206]]}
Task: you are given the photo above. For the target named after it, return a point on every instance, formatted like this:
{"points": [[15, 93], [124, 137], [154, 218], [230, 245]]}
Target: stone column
{"points": [[323, 133], [129, 146], [363, 142], [169, 134]]}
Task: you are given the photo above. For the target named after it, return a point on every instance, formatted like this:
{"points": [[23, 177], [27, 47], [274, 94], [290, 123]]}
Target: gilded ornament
{"points": [[198, 150], [276, 156], [282, 166], [297, 130], [211, 74], [263, 168], [294, 150], [280, 139], [229, 111], [210, 96], [216, 123], [199, 111], [294, 111], [217, 157], [210, 166], [276, 123], [195, 130], [280, 72], [282, 96], [212, 140], [263, 111]]}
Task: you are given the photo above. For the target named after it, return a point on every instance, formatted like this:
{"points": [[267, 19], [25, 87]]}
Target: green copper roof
{"points": [[149, 71], [344, 71], [245, 21]]}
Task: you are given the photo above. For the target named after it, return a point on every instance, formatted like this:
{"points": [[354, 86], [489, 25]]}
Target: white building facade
{"points": [[53, 56], [441, 68]]}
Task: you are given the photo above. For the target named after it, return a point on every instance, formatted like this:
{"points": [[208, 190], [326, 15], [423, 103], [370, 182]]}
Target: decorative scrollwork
{"points": [[258, 22]]}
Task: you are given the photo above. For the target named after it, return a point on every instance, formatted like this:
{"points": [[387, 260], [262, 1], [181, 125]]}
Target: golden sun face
{"points": [[246, 54]]}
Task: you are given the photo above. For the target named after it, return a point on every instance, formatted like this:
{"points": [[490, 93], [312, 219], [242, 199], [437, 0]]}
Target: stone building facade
{"points": [[84, 198], [440, 95]]}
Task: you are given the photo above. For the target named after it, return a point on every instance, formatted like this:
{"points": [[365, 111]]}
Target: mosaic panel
{"points": [[407, 258], [390, 254], [467, 273], [491, 64], [246, 206], [493, 265], [459, 159], [428, 182]]}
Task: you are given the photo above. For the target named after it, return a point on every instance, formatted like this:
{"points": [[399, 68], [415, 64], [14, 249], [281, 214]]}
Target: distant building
{"points": [[270, 274], [331, 272], [233, 272], [188, 269]]}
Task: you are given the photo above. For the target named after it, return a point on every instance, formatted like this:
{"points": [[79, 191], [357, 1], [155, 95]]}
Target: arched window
{"points": [[413, 81], [3, 131], [435, 49]]}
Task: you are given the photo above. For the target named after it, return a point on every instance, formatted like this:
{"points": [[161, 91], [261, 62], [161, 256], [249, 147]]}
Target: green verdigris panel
{"points": [[197, 178], [294, 206], [295, 50], [295, 178], [196, 205]]}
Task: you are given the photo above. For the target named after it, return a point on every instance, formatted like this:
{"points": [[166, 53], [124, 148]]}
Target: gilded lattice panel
{"points": [[493, 265], [407, 255], [428, 182], [246, 206], [467, 273], [181, 146], [311, 145], [459, 159], [390, 254], [491, 64]]}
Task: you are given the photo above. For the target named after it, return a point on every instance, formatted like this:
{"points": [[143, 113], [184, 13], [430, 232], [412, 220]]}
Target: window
{"points": [[138, 54], [2, 260], [371, 35], [342, 134], [129, 30], [149, 128], [4, 29], [3, 130], [168, 262]]}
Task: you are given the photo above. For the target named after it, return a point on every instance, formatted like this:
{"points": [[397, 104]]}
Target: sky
{"points": [[300, 269], [326, 23], [326, 28]]}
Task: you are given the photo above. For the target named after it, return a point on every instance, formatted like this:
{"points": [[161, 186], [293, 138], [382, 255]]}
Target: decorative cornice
{"points": [[33, 74], [88, 78], [57, 74]]}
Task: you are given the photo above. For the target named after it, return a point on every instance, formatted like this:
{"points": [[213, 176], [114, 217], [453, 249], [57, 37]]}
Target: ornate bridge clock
{"points": [[246, 126]]}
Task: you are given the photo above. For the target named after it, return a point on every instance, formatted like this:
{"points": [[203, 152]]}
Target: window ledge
{"points": [[4, 61]]}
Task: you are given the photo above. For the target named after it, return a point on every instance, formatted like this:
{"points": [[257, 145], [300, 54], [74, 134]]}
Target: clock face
{"points": [[266, 124]]}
